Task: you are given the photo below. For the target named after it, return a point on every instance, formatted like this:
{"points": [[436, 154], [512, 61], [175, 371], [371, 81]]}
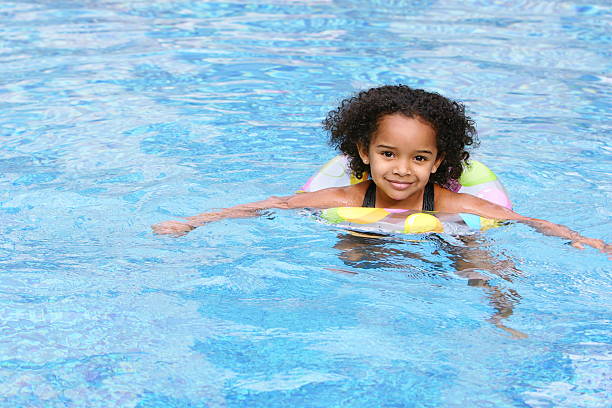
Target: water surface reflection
{"points": [[465, 257]]}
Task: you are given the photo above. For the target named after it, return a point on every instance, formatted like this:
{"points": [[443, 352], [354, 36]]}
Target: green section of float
{"points": [[331, 215], [475, 173]]}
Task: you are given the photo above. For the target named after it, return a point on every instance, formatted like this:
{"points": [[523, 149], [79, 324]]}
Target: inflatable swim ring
{"points": [[476, 179]]}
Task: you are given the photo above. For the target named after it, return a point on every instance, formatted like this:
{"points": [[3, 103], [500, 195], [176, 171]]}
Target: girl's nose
{"points": [[402, 169]]}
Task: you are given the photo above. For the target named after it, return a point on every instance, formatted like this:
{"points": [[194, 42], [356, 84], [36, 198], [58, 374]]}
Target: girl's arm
{"points": [[330, 197], [466, 203]]}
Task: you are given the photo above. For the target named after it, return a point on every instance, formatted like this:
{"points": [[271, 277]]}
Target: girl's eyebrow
{"points": [[383, 146]]}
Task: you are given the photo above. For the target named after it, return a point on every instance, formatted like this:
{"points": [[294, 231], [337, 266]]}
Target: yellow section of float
{"points": [[420, 222], [362, 215]]}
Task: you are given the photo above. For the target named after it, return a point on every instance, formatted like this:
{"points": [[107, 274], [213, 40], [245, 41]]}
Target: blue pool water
{"points": [[119, 114]]}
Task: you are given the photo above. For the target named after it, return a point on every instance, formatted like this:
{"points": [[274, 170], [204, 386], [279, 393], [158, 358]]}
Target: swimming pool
{"points": [[117, 115]]}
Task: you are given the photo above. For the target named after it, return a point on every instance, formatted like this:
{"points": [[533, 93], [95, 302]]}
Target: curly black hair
{"points": [[356, 119]]}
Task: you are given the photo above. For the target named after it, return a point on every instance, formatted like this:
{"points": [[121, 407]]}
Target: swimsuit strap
{"points": [[369, 200], [428, 197]]}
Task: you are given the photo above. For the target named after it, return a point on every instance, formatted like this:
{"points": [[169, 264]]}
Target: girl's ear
{"points": [[363, 154], [437, 163]]}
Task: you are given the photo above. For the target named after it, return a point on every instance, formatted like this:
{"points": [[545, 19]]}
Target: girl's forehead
{"points": [[400, 119], [403, 129]]}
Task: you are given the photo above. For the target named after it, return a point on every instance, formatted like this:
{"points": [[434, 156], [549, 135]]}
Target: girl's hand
{"points": [[595, 243], [466, 203], [180, 228], [176, 228]]}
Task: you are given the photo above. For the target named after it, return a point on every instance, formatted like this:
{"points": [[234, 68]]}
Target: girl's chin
{"points": [[394, 199]]}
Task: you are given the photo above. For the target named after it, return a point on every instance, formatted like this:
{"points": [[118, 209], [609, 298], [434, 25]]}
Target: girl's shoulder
{"points": [[351, 195], [345, 196], [451, 202], [447, 201]]}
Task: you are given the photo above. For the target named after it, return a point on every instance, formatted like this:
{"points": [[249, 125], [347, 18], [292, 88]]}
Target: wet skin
{"points": [[402, 155]]}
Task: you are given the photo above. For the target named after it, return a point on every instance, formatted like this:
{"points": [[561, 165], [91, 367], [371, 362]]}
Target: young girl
{"points": [[412, 144]]}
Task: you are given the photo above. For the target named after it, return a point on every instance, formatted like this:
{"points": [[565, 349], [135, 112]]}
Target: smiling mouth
{"points": [[399, 185]]}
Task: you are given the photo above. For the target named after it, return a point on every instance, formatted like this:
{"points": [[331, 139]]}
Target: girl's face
{"points": [[402, 155]]}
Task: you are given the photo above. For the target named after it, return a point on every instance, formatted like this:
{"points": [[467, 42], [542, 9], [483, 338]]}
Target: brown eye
{"points": [[387, 154]]}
